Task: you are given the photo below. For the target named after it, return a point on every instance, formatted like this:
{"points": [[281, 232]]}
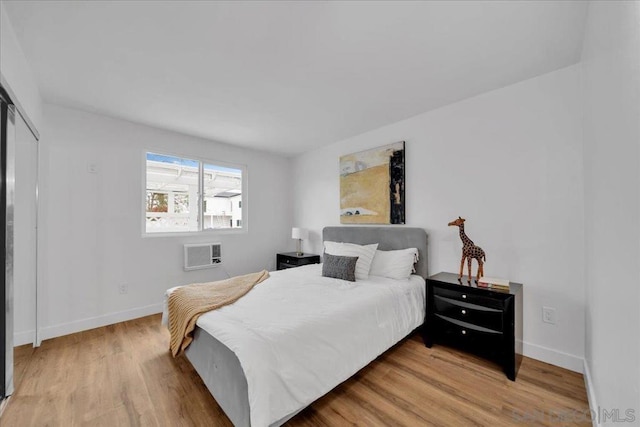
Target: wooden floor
{"points": [[123, 375]]}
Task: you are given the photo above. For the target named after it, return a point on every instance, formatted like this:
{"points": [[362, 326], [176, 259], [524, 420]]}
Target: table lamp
{"points": [[299, 234]]}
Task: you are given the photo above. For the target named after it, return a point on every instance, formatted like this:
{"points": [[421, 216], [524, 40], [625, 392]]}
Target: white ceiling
{"points": [[287, 76]]}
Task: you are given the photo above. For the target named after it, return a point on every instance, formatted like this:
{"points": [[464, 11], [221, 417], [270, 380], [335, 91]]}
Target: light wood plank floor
{"points": [[123, 375]]}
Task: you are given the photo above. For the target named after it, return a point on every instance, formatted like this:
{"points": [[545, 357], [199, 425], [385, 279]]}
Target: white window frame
{"points": [[200, 232]]}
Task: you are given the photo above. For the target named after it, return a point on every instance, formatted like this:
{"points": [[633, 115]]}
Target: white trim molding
{"points": [[554, 357], [591, 394], [99, 321], [24, 337]]}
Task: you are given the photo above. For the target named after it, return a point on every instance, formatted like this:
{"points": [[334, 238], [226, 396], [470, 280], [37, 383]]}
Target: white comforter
{"points": [[297, 335]]}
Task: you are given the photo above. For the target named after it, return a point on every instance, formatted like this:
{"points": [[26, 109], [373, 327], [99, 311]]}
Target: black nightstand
{"points": [[291, 259], [482, 321]]}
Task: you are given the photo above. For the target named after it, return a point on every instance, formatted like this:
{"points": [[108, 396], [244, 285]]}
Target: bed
{"points": [[297, 335]]}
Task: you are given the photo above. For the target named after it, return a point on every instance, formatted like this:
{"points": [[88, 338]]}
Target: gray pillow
{"points": [[339, 267]]}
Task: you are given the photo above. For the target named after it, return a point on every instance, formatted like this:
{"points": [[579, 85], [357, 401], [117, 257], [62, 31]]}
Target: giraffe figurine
{"points": [[469, 251]]}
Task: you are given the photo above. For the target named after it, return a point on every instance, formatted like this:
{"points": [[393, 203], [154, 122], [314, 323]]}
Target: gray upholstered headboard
{"points": [[388, 238]]}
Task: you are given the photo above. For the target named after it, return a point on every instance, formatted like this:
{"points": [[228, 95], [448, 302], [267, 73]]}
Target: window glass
{"points": [[173, 186], [222, 190], [172, 194]]}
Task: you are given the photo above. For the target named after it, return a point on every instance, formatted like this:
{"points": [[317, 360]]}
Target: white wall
{"points": [[17, 72], [611, 76], [510, 161], [92, 223]]}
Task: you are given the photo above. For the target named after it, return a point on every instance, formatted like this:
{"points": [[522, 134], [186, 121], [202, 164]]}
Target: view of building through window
{"points": [[173, 188]]}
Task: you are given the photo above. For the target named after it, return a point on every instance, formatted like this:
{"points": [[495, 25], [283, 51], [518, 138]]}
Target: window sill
{"points": [[212, 232]]}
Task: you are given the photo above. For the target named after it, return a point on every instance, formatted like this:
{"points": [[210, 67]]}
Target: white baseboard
{"points": [[591, 393], [553, 357], [24, 337], [98, 321]]}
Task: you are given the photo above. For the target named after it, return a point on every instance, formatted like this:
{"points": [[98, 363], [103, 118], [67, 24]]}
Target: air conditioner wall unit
{"points": [[202, 255]]}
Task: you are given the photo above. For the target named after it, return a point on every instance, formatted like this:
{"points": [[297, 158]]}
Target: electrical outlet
{"points": [[123, 288], [549, 315]]}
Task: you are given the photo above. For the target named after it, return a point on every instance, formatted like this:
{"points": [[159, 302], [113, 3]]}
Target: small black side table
{"points": [[292, 259], [482, 321]]}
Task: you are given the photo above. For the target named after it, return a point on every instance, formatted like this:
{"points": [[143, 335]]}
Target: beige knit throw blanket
{"points": [[188, 303]]}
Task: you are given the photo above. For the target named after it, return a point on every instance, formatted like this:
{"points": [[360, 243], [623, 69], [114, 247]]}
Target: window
{"points": [[186, 195]]}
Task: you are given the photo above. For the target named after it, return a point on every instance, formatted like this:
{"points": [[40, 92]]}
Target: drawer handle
{"points": [[464, 311], [464, 296], [464, 332]]}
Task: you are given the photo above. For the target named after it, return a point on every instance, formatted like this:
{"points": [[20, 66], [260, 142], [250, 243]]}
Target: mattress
{"points": [[297, 335]]}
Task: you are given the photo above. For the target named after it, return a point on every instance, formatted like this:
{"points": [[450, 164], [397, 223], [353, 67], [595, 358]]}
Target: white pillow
{"points": [[364, 253], [394, 264]]}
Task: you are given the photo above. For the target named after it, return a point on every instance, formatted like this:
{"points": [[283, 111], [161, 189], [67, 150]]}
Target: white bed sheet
{"points": [[297, 335]]}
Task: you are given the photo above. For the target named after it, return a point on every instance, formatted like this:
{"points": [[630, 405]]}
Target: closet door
{"points": [[7, 189], [24, 249]]}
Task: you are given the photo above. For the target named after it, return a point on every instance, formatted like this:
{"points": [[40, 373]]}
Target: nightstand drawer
{"points": [[469, 336], [468, 297], [284, 265], [291, 259], [478, 315], [293, 262]]}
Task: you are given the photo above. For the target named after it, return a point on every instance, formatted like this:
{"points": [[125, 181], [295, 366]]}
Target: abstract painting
{"points": [[372, 186]]}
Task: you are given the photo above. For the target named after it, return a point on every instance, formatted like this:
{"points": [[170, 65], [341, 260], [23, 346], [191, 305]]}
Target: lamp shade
{"points": [[299, 233]]}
